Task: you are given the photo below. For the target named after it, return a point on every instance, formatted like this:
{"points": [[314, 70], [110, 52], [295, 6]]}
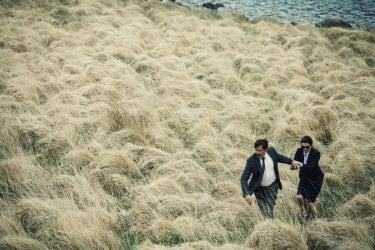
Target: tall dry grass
{"points": [[126, 124]]}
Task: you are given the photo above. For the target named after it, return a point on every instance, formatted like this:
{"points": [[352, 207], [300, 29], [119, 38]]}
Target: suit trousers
{"points": [[266, 198]]}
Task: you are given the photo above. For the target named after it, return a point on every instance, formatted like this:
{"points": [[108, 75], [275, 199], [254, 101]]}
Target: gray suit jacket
{"points": [[254, 170]]}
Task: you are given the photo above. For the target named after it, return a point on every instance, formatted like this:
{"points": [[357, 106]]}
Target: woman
{"points": [[310, 177]]}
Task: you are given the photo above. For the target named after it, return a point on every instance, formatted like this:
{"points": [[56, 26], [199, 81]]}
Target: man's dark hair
{"points": [[307, 139], [261, 142]]}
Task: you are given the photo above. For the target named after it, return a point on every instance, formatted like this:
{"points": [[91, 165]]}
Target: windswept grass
{"points": [[126, 124]]}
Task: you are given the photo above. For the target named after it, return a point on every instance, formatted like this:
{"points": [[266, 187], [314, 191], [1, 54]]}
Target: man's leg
{"points": [[266, 198], [262, 203], [272, 196]]}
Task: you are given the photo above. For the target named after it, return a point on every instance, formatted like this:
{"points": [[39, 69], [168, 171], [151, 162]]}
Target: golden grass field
{"points": [[127, 124]]}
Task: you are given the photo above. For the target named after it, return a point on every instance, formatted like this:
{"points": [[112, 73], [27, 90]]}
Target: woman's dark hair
{"points": [[261, 142], [307, 139]]}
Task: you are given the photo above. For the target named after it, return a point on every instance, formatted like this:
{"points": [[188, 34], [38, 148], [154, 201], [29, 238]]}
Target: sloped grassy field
{"points": [[127, 124]]}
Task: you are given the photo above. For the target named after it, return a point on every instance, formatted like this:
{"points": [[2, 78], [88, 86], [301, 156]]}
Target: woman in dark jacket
{"points": [[310, 177]]}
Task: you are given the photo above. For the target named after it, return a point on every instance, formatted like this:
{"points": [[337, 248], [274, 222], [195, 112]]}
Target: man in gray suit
{"points": [[265, 180]]}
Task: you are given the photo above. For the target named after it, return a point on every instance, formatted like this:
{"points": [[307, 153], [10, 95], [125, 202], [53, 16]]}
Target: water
{"points": [[359, 13]]}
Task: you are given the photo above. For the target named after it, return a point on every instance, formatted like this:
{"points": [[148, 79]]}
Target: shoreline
{"points": [[275, 17]]}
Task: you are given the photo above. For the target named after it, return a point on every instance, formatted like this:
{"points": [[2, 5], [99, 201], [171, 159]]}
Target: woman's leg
{"points": [[313, 212], [301, 203], [299, 200]]}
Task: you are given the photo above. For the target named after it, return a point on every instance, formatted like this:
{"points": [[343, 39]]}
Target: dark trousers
{"points": [[266, 198]]}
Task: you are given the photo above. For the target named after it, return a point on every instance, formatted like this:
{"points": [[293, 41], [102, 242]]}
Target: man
{"points": [[265, 180], [310, 175]]}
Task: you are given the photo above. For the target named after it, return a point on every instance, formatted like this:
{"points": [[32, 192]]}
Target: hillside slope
{"points": [[127, 124]]}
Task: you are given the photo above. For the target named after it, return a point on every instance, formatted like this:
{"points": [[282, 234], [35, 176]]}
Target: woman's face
{"points": [[305, 147]]}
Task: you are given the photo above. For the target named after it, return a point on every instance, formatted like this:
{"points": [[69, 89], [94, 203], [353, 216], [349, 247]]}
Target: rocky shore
{"points": [[360, 14]]}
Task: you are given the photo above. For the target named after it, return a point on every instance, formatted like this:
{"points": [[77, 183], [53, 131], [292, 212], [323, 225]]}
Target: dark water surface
{"points": [[359, 13]]}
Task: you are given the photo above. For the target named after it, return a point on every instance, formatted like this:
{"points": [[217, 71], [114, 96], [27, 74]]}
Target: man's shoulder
{"points": [[271, 150], [252, 157]]}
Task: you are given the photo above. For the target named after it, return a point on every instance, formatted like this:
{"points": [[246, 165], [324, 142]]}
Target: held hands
{"points": [[295, 165]]}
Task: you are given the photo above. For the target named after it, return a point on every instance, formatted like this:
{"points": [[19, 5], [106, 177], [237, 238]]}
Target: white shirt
{"points": [[269, 175], [305, 156]]}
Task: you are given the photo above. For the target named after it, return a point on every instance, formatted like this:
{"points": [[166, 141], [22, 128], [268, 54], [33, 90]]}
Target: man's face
{"points": [[260, 152], [305, 147]]}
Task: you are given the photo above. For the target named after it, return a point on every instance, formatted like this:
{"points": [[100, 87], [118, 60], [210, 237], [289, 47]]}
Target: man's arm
{"points": [[284, 159], [297, 160], [245, 178], [244, 184]]}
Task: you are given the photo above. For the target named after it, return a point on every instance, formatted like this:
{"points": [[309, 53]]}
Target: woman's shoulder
{"points": [[315, 151], [299, 151]]}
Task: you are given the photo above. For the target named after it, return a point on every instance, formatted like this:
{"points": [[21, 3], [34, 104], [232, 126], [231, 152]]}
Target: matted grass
{"points": [[126, 124]]}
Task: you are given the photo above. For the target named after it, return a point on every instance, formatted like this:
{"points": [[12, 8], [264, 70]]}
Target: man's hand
{"points": [[295, 165], [248, 199]]}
